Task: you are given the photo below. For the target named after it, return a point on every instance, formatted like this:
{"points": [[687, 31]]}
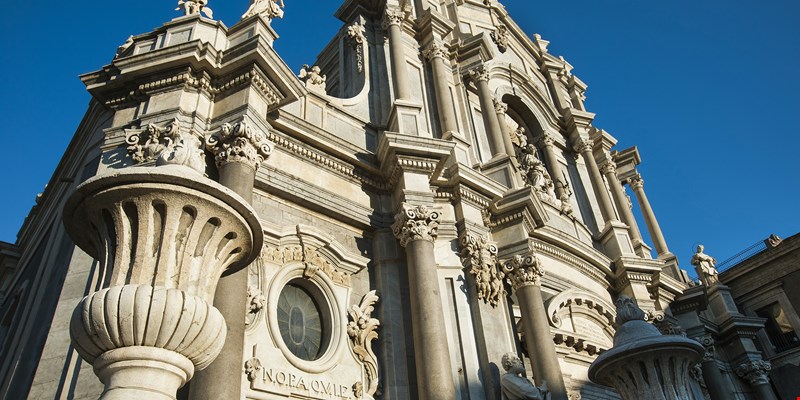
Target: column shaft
{"points": [[444, 99], [713, 379], [606, 207], [434, 371], [622, 203], [765, 392], [539, 341], [649, 217], [490, 122], [556, 173], [500, 108], [399, 70]]}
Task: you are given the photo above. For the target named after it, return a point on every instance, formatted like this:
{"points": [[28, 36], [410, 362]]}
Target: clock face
{"points": [[300, 322]]}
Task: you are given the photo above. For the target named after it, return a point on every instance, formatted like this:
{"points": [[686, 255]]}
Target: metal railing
{"points": [[737, 258]]}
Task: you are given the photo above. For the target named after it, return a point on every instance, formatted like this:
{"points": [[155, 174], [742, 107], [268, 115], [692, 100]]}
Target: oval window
{"points": [[301, 322]]}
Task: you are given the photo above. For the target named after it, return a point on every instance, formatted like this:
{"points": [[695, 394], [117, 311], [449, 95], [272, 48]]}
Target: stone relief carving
{"points": [[501, 37], [536, 175], [268, 9], [524, 270], [415, 223], [362, 330], [251, 368], [239, 143], [312, 261], [191, 7], [355, 33], [519, 138], [312, 76], [707, 341], [435, 49], [628, 310], [755, 372], [514, 384], [706, 266], [479, 256], [255, 303], [166, 146]]}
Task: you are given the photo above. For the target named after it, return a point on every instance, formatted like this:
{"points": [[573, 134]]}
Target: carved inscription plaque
{"points": [[273, 380]]}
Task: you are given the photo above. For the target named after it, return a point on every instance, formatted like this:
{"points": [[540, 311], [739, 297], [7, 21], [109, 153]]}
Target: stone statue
{"points": [[191, 7], [268, 9], [312, 76], [516, 386], [706, 266], [536, 175]]}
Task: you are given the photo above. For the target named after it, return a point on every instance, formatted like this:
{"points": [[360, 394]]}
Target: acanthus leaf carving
{"points": [[362, 330], [166, 145], [313, 262], [239, 143], [479, 256], [435, 49], [524, 270], [755, 372], [415, 223]]}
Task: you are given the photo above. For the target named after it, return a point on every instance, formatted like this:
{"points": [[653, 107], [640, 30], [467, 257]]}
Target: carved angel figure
{"points": [[312, 76], [191, 7], [268, 9], [706, 265], [515, 385]]}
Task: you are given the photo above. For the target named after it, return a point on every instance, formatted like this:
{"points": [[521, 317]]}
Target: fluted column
{"points": [[500, 108], [480, 76], [416, 228], [392, 22], [715, 384], [609, 169], [437, 54], [556, 173], [239, 150], [585, 148], [525, 273], [637, 184], [756, 374]]}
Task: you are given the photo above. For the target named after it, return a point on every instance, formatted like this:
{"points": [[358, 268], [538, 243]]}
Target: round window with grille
{"points": [[301, 320]]}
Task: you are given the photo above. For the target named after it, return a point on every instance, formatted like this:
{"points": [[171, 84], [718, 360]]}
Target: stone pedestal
{"points": [[644, 364], [166, 235]]}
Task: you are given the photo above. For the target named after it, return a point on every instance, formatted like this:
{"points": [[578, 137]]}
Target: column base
{"points": [[139, 372]]}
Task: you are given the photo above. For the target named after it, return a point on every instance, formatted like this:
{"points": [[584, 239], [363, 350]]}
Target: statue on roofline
{"points": [[268, 9], [191, 7], [706, 266]]}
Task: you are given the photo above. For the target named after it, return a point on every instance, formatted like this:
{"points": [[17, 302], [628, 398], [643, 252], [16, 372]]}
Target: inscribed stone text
{"points": [[302, 384]]}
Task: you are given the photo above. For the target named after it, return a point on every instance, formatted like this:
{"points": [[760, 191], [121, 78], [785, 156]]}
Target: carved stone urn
{"points": [[644, 364], [163, 236]]}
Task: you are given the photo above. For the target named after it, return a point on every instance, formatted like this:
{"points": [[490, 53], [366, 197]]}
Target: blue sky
{"points": [[706, 89]]}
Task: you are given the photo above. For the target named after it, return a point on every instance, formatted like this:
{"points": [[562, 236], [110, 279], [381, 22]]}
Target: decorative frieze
{"points": [[524, 270], [415, 223], [239, 143], [362, 330], [479, 256], [755, 372]]}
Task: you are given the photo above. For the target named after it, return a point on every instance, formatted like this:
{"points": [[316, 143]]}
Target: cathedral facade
{"points": [[422, 214]]}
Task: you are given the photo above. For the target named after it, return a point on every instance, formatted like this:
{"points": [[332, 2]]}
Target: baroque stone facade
{"points": [[426, 203]]}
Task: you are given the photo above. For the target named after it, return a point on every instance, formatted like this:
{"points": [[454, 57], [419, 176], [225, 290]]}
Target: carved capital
{"points": [[362, 330], [501, 37], [435, 49], [584, 146], [479, 256], [480, 73], [239, 143], [500, 107], [524, 270], [166, 146], [636, 182], [755, 372], [708, 344], [546, 140], [415, 223], [608, 167], [393, 16]]}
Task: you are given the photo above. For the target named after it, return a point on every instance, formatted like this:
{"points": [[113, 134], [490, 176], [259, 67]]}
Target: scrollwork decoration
{"points": [[362, 330]]}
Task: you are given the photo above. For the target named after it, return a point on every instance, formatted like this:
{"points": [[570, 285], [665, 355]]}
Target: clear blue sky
{"points": [[708, 91]]}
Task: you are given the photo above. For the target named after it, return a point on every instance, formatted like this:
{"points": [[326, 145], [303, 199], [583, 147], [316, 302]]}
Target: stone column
{"points": [[715, 384], [154, 229], [480, 76], [437, 54], [556, 173], [637, 184], [501, 108], [238, 151], [525, 274], [609, 169], [585, 148], [392, 22], [756, 374], [416, 228]]}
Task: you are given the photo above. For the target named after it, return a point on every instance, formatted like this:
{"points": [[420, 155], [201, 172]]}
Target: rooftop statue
{"points": [[191, 7], [516, 386], [268, 9], [706, 266]]}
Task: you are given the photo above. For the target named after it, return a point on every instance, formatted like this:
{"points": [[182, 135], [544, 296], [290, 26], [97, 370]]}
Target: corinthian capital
{"points": [[608, 167], [499, 106], [435, 49], [755, 372], [546, 140], [415, 223], [636, 181], [393, 16], [480, 73], [584, 145], [239, 143], [524, 270]]}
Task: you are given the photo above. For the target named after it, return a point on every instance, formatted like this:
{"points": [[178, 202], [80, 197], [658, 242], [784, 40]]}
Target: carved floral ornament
{"points": [[362, 330], [501, 108], [608, 167], [524, 270], [415, 223], [356, 35], [501, 37], [166, 145], [755, 372], [479, 256], [313, 262], [239, 143], [584, 146]]}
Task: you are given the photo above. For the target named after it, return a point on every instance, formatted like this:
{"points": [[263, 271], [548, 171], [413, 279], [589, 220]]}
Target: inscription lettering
{"points": [[306, 385]]}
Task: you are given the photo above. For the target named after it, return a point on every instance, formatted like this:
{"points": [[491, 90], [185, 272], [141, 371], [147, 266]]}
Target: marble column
{"points": [[715, 384], [525, 273], [416, 227], [585, 148], [501, 108], [637, 184], [480, 76], [238, 151], [556, 173], [392, 22], [437, 54], [609, 169], [756, 374]]}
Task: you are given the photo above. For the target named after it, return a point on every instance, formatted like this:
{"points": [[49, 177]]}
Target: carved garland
{"points": [[362, 330]]}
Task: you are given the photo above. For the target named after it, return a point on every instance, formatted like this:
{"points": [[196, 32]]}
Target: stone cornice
{"points": [[399, 152]]}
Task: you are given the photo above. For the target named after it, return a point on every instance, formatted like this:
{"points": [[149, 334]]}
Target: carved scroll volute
{"points": [[362, 330], [524, 270], [239, 143], [479, 256]]}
